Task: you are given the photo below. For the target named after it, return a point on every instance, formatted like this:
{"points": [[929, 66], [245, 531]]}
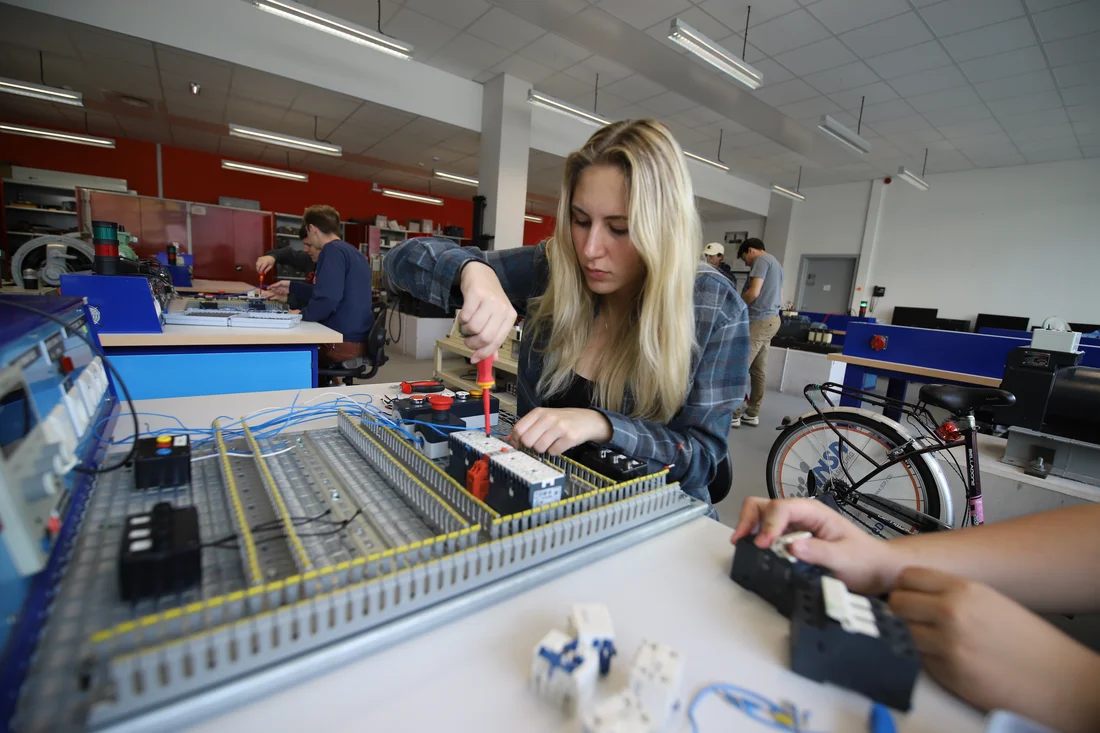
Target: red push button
{"points": [[53, 525], [66, 365]]}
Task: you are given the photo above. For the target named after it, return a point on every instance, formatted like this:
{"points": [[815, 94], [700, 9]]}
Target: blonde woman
{"points": [[628, 340]]}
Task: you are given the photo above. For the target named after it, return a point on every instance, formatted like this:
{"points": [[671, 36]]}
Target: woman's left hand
{"points": [[556, 430]]}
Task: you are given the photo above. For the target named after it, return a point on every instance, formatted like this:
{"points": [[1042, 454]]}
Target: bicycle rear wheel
{"points": [[806, 461]]}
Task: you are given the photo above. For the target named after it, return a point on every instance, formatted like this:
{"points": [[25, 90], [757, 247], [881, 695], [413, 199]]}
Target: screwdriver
{"points": [[485, 381]]}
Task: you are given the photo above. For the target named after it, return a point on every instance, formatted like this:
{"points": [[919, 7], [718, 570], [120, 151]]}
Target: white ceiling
{"points": [[981, 83]]}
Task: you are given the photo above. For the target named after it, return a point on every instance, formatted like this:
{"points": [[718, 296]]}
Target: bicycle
{"points": [[872, 468]]}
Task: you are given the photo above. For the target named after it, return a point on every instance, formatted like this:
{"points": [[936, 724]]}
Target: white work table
{"points": [[471, 674], [216, 286], [306, 332]]}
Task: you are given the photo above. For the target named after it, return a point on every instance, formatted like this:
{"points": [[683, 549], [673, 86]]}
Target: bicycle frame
{"points": [[873, 505]]}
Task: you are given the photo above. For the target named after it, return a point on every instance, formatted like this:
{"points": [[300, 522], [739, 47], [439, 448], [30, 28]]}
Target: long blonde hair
{"points": [[651, 354]]}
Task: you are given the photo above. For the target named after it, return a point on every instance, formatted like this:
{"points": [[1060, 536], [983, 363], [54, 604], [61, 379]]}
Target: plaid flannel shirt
{"points": [[695, 440]]}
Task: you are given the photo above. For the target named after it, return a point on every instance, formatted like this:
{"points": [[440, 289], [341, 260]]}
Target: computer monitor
{"points": [[917, 317], [991, 320], [1084, 327], [953, 324]]}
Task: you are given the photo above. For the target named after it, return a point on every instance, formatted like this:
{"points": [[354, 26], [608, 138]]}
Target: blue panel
{"points": [[155, 374], [119, 303], [837, 322], [181, 276]]}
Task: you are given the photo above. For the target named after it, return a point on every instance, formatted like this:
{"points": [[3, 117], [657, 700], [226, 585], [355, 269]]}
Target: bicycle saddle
{"points": [[960, 400]]}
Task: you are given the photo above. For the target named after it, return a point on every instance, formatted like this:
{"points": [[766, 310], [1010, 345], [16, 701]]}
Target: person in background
{"points": [[299, 259], [715, 253], [340, 296], [762, 292], [971, 599], [630, 341]]}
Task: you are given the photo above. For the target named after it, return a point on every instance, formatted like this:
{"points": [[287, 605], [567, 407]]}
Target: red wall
{"points": [[134, 160], [534, 233]]}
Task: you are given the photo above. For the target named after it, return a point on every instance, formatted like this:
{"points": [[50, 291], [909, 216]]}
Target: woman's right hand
{"points": [[866, 564], [487, 317], [264, 263]]}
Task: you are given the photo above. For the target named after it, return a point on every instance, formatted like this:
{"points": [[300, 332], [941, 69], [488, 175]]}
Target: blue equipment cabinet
{"points": [[118, 303]]}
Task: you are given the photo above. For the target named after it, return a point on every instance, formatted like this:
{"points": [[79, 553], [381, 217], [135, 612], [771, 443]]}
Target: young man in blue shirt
{"points": [[340, 295]]}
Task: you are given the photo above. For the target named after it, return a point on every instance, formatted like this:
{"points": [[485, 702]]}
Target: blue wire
{"points": [[728, 691]]}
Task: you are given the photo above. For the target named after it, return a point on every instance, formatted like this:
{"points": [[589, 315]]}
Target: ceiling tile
{"points": [[1038, 6], [869, 96], [895, 109], [635, 88], [1067, 21], [999, 66], [555, 52], [455, 13], [900, 126], [31, 30], [644, 13], [976, 142], [505, 29], [427, 35], [1027, 103], [887, 35], [1090, 152], [948, 162], [176, 89], [567, 89], [668, 103], [1054, 155], [928, 81], [969, 129], [253, 114], [1085, 74], [468, 56], [956, 115], [212, 73], [698, 116], [1011, 34], [732, 12], [1035, 82], [856, 74], [908, 60], [587, 70], [813, 107], [785, 92], [263, 87], [1056, 131], [1074, 50], [956, 16], [522, 68], [989, 158], [465, 141], [787, 32], [1035, 119], [381, 117], [772, 71], [956, 97], [325, 103], [818, 56], [844, 15], [355, 137], [1081, 95], [95, 45], [195, 139], [1084, 112], [1087, 128], [179, 108], [1034, 146]]}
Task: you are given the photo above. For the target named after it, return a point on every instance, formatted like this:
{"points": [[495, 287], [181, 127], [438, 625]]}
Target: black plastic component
{"points": [[607, 462], [771, 577], [209, 305], [446, 422], [884, 668], [474, 407], [161, 552], [161, 466]]}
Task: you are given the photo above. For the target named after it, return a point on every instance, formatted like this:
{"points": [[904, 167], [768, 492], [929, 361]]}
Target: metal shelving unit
{"points": [[31, 206]]}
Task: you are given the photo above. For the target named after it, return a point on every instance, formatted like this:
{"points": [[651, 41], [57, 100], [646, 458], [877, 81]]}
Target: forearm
{"points": [[426, 269], [691, 454], [748, 296], [1046, 561]]}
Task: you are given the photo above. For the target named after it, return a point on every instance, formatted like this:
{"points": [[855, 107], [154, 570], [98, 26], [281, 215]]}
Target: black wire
{"points": [[338, 526], [389, 328], [107, 362]]}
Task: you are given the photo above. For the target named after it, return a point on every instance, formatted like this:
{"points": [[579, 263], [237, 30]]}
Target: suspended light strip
{"points": [[40, 91], [713, 54], [336, 26], [286, 141], [843, 135], [455, 178], [64, 137], [708, 161], [912, 178], [412, 197], [532, 218], [565, 108], [793, 195], [262, 171]]}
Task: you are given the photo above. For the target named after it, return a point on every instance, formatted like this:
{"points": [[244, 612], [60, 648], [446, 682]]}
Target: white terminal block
{"points": [[621, 713], [74, 405], [546, 482], [852, 612], [562, 673], [656, 680], [591, 624], [480, 442]]}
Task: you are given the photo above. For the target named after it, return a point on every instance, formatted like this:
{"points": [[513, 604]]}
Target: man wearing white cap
{"points": [[714, 252]]}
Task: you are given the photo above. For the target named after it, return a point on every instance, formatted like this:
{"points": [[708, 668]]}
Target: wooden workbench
{"points": [[217, 286], [941, 375], [305, 332]]}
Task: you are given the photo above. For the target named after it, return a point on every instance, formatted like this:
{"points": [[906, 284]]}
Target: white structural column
{"points": [[862, 290], [502, 173]]}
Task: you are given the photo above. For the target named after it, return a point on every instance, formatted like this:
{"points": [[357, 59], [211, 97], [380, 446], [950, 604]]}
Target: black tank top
{"points": [[580, 393]]}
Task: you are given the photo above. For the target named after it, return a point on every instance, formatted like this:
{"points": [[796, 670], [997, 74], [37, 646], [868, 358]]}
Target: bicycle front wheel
{"points": [[806, 461]]}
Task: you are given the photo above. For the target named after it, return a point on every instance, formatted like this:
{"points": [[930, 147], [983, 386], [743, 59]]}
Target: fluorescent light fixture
{"points": [[708, 161], [912, 178], [412, 197], [262, 171], [64, 137], [532, 218], [565, 108], [336, 26], [40, 91], [713, 54], [286, 141], [793, 195], [843, 135], [455, 178]]}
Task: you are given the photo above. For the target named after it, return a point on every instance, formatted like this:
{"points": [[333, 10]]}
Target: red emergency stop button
{"points": [[66, 365], [878, 342], [53, 525]]}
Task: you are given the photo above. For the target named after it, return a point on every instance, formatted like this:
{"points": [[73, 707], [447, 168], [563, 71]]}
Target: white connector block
{"points": [[563, 673], [591, 624], [656, 680], [619, 714]]}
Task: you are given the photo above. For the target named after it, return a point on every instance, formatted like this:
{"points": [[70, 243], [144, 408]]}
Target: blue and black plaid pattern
{"points": [[694, 441]]}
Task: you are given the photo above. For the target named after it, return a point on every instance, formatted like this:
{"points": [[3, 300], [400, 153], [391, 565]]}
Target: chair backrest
{"points": [[720, 485], [376, 338]]}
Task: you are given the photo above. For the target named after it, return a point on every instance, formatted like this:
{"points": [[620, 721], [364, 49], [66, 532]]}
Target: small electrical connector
{"points": [[591, 624], [854, 642], [162, 462], [656, 680], [477, 478], [773, 573], [563, 673], [621, 713], [160, 552]]}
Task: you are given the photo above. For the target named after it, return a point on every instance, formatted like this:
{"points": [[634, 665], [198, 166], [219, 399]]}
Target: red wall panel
{"points": [[134, 160], [534, 233]]}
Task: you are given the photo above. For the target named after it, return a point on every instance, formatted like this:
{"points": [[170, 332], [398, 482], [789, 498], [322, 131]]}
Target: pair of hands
{"points": [[982, 646]]}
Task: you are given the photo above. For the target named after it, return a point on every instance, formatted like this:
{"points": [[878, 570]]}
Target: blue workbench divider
{"points": [[170, 372], [837, 322], [970, 353]]}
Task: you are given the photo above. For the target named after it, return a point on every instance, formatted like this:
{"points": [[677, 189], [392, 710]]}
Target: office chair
{"points": [[720, 485], [374, 357]]}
